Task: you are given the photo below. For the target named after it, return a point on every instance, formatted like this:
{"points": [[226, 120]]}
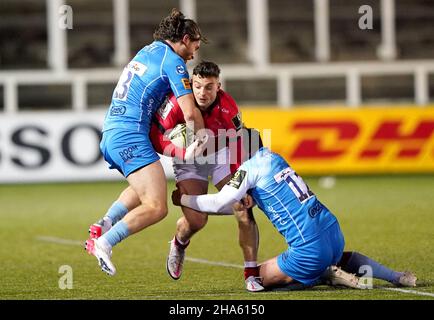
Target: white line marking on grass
{"points": [[409, 291], [223, 264], [70, 242], [60, 240], [214, 263]]}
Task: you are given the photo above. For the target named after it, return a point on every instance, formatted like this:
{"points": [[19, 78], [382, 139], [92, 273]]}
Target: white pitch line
{"points": [[213, 263], [409, 291], [60, 240]]}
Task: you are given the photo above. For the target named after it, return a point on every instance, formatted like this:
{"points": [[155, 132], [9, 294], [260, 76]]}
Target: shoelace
{"points": [[175, 253]]}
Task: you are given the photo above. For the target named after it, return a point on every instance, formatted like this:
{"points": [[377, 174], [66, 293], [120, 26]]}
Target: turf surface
{"points": [[389, 218]]}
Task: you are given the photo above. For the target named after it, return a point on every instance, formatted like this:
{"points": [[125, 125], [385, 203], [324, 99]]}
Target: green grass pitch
{"points": [[390, 218]]}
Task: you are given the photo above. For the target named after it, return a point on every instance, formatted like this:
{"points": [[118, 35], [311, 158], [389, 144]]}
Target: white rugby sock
{"points": [[250, 264]]}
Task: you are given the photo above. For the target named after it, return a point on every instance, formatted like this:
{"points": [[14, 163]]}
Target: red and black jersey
{"points": [[222, 117]]}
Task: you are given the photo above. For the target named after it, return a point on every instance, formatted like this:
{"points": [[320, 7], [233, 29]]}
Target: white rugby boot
{"points": [[254, 284], [102, 253], [408, 279], [335, 276], [175, 260]]}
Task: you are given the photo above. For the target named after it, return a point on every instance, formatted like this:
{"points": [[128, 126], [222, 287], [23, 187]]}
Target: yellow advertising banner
{"points": [[349, 141]]}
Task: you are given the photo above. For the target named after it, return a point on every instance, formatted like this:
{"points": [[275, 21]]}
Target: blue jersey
{"points": [[278, 191], [284, 197], [310, 229], [145, 82]]}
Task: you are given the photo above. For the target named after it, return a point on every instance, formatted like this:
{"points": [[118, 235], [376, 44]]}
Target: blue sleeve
{"points": [[176, 71]]}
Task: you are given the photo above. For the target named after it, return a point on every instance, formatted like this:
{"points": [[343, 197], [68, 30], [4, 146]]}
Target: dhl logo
{"points": [[313, 136], [371, 140]]}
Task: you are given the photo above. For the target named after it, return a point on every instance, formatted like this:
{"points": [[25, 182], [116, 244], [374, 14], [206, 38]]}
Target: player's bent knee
{"points": [[156, 209], [160, 212]]}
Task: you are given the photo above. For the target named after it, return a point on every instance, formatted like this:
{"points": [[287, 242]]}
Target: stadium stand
{"points": [[23, 43]]}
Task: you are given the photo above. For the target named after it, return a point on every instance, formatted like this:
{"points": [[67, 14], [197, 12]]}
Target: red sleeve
{"points": [[163, 145], [169, 114], [167, 117]]}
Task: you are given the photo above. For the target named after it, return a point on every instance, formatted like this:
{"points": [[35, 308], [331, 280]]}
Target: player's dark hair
{"points": [[175, 26], [252, 141], [207, 69]]}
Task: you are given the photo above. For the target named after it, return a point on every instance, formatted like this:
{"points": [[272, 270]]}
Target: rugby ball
{"points": [[178, 135]]}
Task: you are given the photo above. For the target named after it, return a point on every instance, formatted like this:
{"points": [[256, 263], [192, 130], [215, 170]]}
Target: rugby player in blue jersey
{"points": [[157, 70], [311, 231]]}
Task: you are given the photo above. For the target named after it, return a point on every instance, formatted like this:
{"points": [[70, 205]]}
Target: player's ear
{"points": [[185, 39]]}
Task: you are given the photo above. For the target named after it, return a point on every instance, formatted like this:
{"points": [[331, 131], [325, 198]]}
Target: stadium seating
{"points": [[23, 43]]}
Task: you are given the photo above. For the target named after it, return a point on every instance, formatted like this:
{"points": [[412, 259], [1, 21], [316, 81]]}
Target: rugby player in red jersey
{"points": [[222, 119]]}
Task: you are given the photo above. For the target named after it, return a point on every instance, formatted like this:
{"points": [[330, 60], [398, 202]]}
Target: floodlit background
{"points": [[345, 86]]}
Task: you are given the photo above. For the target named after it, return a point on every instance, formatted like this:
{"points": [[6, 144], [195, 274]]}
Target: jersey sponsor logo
{"points": [[127, 153], [165, 108], [275, 217], [137, 68], [150, 107], [315, 209], [117, 110], [283, 174], [225, 110], [186, 83], [180, 69], [237, 179], [237, 121]]}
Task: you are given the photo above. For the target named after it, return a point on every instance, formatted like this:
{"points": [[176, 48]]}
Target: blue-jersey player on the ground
{"points": [[311, 231], [151, 75]]}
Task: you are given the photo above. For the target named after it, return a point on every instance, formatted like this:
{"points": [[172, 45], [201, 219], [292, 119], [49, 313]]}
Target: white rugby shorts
{"points": [[216, 166]]}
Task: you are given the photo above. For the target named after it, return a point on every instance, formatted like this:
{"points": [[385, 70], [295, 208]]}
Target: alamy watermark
{"points": [[366, 20], [235, 140], [365, 281], [66, 17], [66, 280]]}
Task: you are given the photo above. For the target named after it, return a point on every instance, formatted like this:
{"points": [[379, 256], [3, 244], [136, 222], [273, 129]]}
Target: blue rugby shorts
{"points": [[305, 263], [127, 151]]}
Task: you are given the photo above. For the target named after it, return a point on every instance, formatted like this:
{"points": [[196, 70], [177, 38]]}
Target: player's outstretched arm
{"points": [[221, 202], [213, 203]]}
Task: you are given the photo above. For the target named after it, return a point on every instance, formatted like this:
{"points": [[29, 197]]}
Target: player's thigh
{"points": [[220, 171], [272, 275], [223, 181], [190, 172], [149, 182], [193, 186]]}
